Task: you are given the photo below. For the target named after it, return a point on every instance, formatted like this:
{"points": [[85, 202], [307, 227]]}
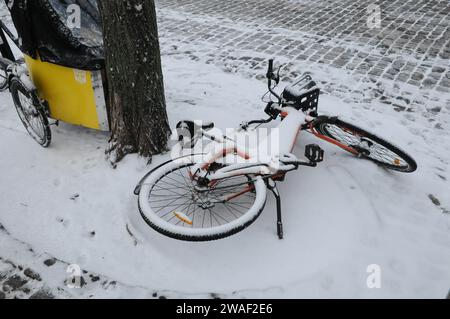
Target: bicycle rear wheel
{"points": [[171, 203], [3, 80], [364, 144], [32, 116]]}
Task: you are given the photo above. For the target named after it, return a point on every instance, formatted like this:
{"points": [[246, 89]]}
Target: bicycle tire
{"points": [[43, 138], [323, 124], [3, 80], [188, 234]]}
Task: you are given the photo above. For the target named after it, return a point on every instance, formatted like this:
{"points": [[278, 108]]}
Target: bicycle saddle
{"points": [[195, 125], [188, 131]]}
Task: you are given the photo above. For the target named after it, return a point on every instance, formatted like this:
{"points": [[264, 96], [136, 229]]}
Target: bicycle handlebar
{"points": [[272, 77], [270, 71]]}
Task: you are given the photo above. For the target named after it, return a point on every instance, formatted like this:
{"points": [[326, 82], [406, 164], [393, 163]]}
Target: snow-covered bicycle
{"points": [[217, 194]]}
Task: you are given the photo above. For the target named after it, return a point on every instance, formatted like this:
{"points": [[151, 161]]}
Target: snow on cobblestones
{"points": [[403, 64]]}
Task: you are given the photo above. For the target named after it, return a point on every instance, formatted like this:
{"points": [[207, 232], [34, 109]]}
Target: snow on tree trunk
{"points": [[135, 82]]}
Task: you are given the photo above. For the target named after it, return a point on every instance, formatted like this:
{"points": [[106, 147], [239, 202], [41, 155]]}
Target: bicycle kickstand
{"points": [[272, 186]]}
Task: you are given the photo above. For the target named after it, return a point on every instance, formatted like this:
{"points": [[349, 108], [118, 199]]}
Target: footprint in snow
{"points": [[434, 200], [397, 266], [64, 222], [89, 166], [57, 182], [437, 203]]}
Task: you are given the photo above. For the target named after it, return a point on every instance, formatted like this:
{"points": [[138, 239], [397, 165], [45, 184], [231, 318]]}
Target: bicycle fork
{"points": [[272, 186]]}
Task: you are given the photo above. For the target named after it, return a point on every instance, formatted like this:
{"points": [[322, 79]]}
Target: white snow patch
{"points": [[339, 218]]}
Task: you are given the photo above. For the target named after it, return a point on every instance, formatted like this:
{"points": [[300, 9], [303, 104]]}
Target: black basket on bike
{"points": [[302, 95]]}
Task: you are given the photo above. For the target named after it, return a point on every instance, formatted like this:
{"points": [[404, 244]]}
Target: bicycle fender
{"points": [[331, 119]]}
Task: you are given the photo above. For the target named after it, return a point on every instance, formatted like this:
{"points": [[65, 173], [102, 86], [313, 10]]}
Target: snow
{"points": [[339, 218]]}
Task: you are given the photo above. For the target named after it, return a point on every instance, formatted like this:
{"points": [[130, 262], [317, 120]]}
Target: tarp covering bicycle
{"points": [[63, 32], [60, 74]]}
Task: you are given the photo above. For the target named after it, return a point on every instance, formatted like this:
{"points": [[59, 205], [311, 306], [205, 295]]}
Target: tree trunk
{"points": [[135, 82]]}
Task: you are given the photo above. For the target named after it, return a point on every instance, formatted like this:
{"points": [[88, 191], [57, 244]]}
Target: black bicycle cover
{"points": [[50, 29]]}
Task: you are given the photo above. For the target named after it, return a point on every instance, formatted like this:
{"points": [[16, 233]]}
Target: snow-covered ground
{"points": [[67, 202], [66, 205]]}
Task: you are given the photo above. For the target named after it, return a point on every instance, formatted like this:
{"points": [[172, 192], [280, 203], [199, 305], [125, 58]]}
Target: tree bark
{"points": [[134, 78]]}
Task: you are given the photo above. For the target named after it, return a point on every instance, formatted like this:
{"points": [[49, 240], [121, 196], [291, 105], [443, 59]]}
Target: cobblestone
{"points": [[411, 47]]}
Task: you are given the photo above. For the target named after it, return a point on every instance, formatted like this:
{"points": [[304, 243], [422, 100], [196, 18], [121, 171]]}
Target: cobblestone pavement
{"points": [[404, 63], [27, 274]]}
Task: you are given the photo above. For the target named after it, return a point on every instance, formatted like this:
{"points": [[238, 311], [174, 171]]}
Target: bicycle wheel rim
{"points": [[35, 122], [3, 80], [192, 232]]}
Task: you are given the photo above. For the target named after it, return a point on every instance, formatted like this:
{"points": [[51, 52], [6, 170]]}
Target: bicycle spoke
{"points": [[175, 193], [235, 209], [167, 205], [213, 215], [238, 205], [33, 121], [230, 210], [203, 222], [375, 151]]}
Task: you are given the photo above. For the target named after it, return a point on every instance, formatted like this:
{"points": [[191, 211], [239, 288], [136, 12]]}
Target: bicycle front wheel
{"points": [[365, 144], [33, 117], [172, 203]]}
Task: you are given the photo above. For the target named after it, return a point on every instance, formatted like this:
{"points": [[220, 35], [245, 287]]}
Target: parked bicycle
{"points": [[209, 197]]}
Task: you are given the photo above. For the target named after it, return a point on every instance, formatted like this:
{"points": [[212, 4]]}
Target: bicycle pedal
{"points": [[314, 153]]}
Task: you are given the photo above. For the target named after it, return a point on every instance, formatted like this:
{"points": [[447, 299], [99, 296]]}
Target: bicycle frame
{"points": [[273, 164], [272, 167]]}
